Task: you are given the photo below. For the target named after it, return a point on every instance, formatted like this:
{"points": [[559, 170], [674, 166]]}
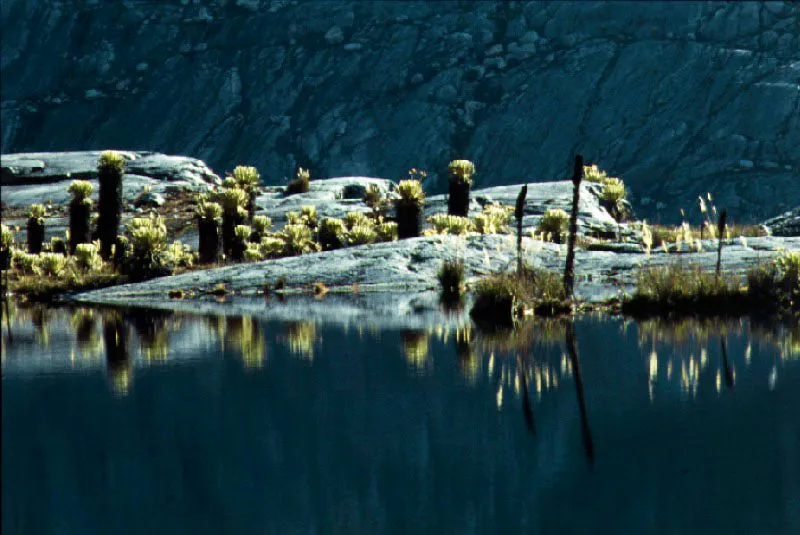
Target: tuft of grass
{"points": [[320, 289], [176, 294], [300, 184], [451, 277], [46, 290], [682, 289], [219, 290], [502, 296], [493, 219], [372, 197]]}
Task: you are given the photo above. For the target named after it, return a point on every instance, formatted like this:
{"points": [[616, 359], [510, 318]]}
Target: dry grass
{"points": [[670, 234], [44, 290]]}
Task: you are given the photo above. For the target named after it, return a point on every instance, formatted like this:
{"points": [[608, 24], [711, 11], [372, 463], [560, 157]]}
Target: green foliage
{"points": [[411, 192], [298, 240], [6, 237], [541, 290], [613, 191], [361, 235], [209, 211], [233, 200], [308, 216], [111, 161], [253, 252], [353, 219], [387, 231], [592, 173], [178, 254], [333, 226], [49, 264], [493, 219], [246, 178], [87, 257], [243, 232], [261, 224], [450, 224], [293, 218], [148, 235], [80, 189], [461, 171], [554, 224], [23, 261], [272, 246], [37, 211]]}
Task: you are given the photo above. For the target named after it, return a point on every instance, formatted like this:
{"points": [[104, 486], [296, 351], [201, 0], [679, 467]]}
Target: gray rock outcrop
{"points": [[787, 224], [678, 99]]}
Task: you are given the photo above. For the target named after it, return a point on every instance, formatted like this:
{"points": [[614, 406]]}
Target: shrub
{"points": [[233, 201], [308, 216], [36, 228], [110, 168], [493, 219], [87, 257], [450, 224], [261, 224], [499, 296], [411, 192], [372, 197], [58, 245], [300, 184], [50, 265], [461, 171], [298, 240], [22, 261], [6, 241], [409, 208], [554, 224], [148, 237], [331, 233], [352, 219], [80, 189], [293, 218], [253, 253], [272, 246], [80, 211], [361, 235], [451, 277], [248, 180], [178, 254], [208, 216], [776, 285], [592, 173], [611, 197], [387, 231]]}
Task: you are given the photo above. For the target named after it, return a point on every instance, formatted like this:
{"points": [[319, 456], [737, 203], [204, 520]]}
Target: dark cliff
{"points": [[677, 98]]}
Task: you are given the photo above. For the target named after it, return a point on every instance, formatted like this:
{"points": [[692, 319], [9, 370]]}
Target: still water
{"points": [[129, 422]]}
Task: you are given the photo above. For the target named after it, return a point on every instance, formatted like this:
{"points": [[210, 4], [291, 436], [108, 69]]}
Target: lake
{"points": [[139, 421]]}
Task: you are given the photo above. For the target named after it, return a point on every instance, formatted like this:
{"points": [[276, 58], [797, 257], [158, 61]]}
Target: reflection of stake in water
{"points": [[118, 362], [572, 349], [527, 409], [725, 364]]}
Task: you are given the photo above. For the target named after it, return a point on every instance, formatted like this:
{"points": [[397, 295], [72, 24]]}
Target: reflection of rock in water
{"points": [[245, 336], [415, 347], [302, 336], [118, 362]]}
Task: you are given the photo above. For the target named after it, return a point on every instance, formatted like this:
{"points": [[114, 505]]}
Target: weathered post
{"points": [[569, 270], [36, 228], [720, 229], [572, 349], [518, 213]]}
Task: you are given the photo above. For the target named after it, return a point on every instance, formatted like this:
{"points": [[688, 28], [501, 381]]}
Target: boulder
{"points": [[786, 224]]}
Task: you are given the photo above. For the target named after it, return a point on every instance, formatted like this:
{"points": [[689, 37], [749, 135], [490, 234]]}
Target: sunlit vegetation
{"points": [[415, 346], [772, 287], [501, 297], [301, 337]]}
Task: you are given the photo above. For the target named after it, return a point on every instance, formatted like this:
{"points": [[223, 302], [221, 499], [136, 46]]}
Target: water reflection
{"points": [[491, 438]]}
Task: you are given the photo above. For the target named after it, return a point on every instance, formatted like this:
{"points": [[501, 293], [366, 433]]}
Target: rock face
{"points": [[411, 266], [787, 224], [678, 99]]}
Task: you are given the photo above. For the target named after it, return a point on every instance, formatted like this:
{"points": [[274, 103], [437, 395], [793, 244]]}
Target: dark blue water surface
{"points": [[237, 425]]}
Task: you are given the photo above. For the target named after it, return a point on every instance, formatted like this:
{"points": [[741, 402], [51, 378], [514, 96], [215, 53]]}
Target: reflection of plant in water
{"points": [[40, 318], [541, 331], [246, 337], [469, 363], [217, 326], [118, 361], [84, 325], [415, 347], [301, 336]]}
